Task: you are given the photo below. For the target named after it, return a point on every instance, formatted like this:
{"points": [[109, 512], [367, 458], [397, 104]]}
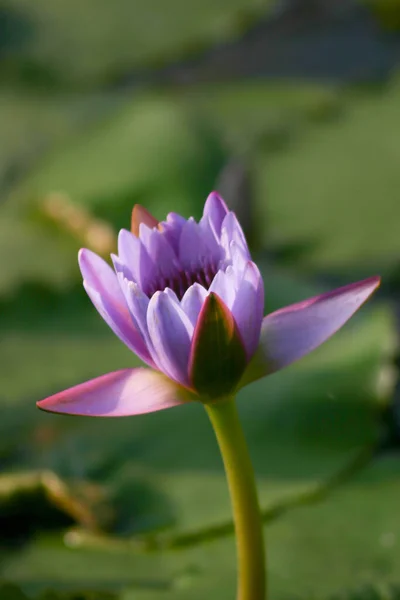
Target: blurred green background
{"points": [[292, 111]]}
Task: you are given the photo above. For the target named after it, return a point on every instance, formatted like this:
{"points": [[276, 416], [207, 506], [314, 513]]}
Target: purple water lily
{"points": [[188, 300]]}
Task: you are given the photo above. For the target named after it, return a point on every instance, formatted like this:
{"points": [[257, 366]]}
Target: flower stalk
{"points": [[225, 420]]}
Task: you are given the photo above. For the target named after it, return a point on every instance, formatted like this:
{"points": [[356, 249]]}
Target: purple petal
{"points": [[160, 251], [172, 296], [103, 289], [248, 307], [133, 259], [171, 229], [193, 250], [171, 333], [118, 394], [193, 300], [223, 285], [138, 303], [211, 240], [232, 232], [216, 209], [121, 268], [294, 331], [240, 258]]}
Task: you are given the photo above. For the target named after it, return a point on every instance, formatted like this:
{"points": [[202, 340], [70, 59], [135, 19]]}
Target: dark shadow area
{"points": [[340, 43]]}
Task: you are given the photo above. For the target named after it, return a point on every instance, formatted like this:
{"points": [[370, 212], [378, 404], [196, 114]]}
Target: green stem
{"points": [[242, 487]]}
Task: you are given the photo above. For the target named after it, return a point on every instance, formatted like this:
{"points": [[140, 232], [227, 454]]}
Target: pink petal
{"points": [[294, 331], [118, 394]]}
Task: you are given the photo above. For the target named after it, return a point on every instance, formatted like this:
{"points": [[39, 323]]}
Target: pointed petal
{"points": [[193, 251], [193, 300], [248, 307], [231, 231], [172, 228], [216, 209], [138, 303], [142, 215], [118, 394], [294, 331], [121, 268], [239, 257], [160, 251], [211, 239], [172, 296], [171, 334], [135, 261], [103, 289], [223, 285], [218, 357]]}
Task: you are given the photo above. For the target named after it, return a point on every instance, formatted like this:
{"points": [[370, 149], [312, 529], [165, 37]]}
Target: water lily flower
{"points": [[188, 300]]}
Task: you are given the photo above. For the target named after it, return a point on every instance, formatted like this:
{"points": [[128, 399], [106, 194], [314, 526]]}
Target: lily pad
{"points": [[346, 176], [262, 114], [349, 542], [48, 564], [95, 42]]}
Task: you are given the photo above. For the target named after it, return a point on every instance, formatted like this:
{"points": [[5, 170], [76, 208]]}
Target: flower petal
{"points": [[138, 303], [239, 258], [141, 215], [102, 287], [171, 333], [223, 285], [216, 209], [160, 251], [133, 259], [248, 307], [231, 231], [118, 394], [193, 251], [217, 357], [193, 300], [211, 239], [171, 229], [294, 331]]}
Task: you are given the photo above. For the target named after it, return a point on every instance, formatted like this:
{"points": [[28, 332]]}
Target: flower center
{"points": [[181, 281]]}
